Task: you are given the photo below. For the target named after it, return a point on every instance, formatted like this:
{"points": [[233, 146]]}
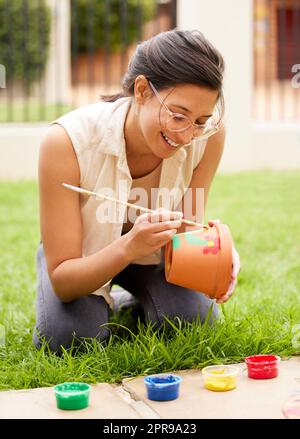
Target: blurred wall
{"points": [[58, 70], [249, 145]]}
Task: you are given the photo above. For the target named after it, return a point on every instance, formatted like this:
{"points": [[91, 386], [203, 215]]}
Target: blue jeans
{"points": [[62, 324]]}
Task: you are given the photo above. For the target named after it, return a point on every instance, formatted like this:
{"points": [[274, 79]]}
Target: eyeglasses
{"points": [[178, 122]]}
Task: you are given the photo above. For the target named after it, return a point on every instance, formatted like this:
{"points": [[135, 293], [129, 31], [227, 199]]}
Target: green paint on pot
{"points": [[176, 242], [195, 240]]}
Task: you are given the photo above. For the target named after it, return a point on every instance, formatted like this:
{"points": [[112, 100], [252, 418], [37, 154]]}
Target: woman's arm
{"points": [[71, 275], [203, 175], [202, 178]]}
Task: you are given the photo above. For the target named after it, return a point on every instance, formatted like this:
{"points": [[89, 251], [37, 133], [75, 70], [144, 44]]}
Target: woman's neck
{"points": [[134, 139], [136, 148]]}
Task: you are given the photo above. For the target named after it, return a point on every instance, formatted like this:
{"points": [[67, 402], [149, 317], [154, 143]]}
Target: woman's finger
{"points": [[231, 288], [236, 262], [164, 225], [212, 222], [222, 299], [159, 215], [229, 293]]}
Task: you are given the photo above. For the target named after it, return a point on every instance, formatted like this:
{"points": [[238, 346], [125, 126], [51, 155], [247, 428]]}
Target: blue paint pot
{"points": [[162, 387]]}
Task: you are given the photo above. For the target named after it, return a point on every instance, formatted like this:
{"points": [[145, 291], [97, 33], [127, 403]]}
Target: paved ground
{"points": [[106, 402], [251, 399]]}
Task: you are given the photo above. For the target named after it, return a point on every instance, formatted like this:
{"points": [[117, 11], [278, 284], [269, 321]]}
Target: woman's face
{"points": [[195, 102]]}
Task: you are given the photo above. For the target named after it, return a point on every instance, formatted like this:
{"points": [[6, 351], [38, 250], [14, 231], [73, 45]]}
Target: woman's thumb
{"points": [[213, 222]]}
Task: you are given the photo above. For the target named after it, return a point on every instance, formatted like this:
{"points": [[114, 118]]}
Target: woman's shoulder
{"points": [[94, 111], [85, 114], [86, 125]]}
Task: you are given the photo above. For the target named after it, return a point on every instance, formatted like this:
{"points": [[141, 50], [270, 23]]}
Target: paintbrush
{"points": [[135, 206]]}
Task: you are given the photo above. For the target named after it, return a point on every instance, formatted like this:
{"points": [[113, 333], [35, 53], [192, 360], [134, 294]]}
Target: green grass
{"points": [[32, 111], [262, 210]]}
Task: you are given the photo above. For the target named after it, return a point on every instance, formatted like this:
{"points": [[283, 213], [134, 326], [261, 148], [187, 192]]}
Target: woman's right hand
{"points": [[151, 231]]}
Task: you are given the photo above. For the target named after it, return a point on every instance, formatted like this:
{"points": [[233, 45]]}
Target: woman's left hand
{"points": [[236, 266]]}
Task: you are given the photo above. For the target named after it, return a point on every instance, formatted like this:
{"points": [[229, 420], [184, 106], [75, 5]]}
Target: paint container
{"points": [[72, 396], [291, 407], [220, 378], [262, 367], [164, 387], [201, 260]]}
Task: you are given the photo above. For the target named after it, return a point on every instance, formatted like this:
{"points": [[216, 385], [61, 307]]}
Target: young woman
{"points": [[163, 131]]}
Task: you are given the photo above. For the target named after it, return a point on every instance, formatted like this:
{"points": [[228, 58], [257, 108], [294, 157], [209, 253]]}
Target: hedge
{"points": [[25, 31], [93, 28], [24, 39]]}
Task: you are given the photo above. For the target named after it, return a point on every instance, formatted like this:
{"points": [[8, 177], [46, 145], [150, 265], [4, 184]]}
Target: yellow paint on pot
{"points": [[220, 383]]}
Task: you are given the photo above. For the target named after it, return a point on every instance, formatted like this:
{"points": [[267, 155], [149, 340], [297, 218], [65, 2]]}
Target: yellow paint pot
{"points": [[220, 378]]}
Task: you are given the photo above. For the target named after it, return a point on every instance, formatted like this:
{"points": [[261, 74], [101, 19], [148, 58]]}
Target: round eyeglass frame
{"points": [[214, 128]]}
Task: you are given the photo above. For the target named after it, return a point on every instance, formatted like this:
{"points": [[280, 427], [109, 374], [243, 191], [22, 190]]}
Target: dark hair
{"points": [[175, 57]]}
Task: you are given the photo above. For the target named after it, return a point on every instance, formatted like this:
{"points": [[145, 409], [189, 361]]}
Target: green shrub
{"points": [[90, 21], [24, 39]]}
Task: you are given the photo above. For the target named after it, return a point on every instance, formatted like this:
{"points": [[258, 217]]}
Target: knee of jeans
{"points": [[65, 338], [206, 311], [214, 313]]}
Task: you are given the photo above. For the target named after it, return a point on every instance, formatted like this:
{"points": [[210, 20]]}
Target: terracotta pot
{"points": [[201, 260]]}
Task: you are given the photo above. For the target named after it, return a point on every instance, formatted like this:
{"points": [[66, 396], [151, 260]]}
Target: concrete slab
{"points": [[105, 403], [254, 399]]}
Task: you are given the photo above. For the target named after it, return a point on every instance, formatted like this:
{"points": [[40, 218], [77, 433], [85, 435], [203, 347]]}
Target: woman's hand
{"points": [[236, 266], [151, 231]]}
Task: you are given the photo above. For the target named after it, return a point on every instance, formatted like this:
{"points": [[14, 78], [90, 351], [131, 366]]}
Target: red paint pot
{"points": [[262, 367]]}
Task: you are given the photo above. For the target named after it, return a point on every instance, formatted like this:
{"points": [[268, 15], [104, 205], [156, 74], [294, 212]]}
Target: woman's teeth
{"points": [[170, 142]]}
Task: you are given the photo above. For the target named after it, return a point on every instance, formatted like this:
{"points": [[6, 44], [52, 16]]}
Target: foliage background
{"points": [[24, 39]]}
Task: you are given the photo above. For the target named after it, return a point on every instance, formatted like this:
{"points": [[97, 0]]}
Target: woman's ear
{"points": [[141, 90]]}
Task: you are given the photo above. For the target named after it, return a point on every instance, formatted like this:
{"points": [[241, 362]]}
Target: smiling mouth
{"points": [[170, 142]]}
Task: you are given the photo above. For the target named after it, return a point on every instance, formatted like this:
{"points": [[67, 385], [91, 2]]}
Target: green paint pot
{"points": [[72, 396]]}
